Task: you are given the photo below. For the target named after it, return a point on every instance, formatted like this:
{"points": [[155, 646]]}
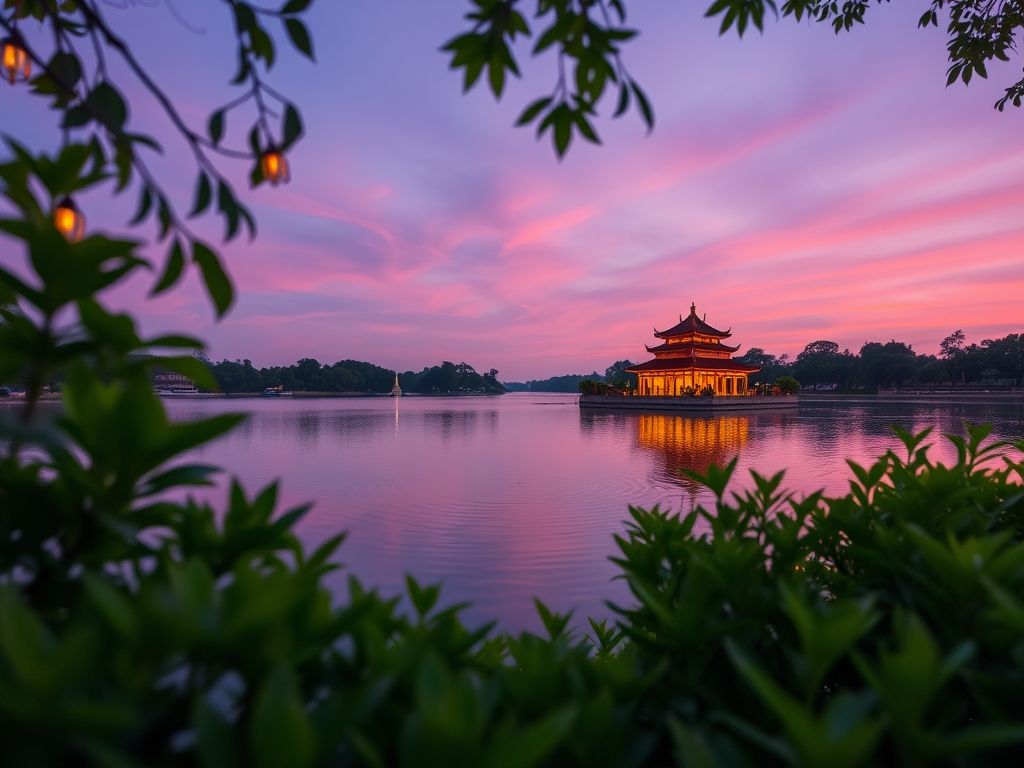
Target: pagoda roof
{"points": [[688, 363], [692, 324], [684, 347]]}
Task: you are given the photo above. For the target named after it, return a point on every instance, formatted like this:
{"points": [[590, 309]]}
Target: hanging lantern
{"points": [[274, 165], [68, 220], [15, 64]]}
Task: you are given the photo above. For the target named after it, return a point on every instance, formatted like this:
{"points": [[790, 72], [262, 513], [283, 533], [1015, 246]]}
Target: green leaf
{"points": [[24, 641], [295, 6], [645, 106], [173, 269], [496, 77], [322, 553], [75, 117], [228, 205], [185, 435], [530, 113], [280, 732], [692, 749], [215, 126], [215, 737], [423, 598], [299, 36], [124, 159], [175, 340], [562, 125], [556, 624], [145, 203], [262, 45], [291, 128], [66, 69], [984, 737], [189, 475], [164, 217], [204, 194], [623, 104], [585, 128], [115, 607], [105, 102], [530, 745], [217, 282], [198, 371]]}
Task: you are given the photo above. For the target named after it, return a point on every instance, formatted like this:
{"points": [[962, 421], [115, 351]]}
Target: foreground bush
{"points": [[882, 627], [140, 629]]}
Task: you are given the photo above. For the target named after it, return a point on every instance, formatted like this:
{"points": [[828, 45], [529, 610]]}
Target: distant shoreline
{"points": [[332, 395], [920, 398], [56, 397]]}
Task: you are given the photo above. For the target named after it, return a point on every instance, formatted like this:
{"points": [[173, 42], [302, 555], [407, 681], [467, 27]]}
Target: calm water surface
{"points": [[507, 498]]}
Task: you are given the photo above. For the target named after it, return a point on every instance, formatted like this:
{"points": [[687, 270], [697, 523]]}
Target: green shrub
{"points": [[707, 392], [787, 385], [881, 627], [139, 627]]}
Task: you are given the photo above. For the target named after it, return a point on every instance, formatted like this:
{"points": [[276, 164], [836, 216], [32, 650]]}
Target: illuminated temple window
{"points": [[692, 355]]}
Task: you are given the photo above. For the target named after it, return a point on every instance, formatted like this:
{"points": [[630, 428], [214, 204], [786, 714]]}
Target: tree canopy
{"points": [[587, 39]]}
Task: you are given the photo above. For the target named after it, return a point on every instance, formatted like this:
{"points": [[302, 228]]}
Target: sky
{"points": [[797, 186]]}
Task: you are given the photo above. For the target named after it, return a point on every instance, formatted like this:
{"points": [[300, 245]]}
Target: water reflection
{"points": [[688, 442], [308, 428], [511, 498], [450, 425]]}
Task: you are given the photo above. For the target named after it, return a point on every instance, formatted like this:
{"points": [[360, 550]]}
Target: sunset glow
{"points": [[800, 185]]}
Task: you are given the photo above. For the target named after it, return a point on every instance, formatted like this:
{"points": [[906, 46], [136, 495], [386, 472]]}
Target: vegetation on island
{"points": [[451, 378], [353, 376], [569, 382], [787, 385], [614, 376], [995, 362], [307, 375], [140, 626]]}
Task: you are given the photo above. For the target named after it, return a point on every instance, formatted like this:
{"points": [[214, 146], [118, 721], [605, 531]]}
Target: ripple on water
{"points": [[505, 499]]}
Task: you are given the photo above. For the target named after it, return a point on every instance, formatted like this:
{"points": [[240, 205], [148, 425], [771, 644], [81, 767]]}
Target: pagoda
{"points": [[396, 391], [692, 357]]}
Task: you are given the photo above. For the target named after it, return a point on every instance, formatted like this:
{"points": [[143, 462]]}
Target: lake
{"points": [[507, 498]]}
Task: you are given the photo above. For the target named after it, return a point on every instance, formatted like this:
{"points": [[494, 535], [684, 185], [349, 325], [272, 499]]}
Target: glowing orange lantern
{"points": [[68, 220], [275, 166], [15, 64]]}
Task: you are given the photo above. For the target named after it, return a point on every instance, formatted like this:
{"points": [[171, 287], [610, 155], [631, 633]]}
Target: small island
{"points": [[692, 370]]}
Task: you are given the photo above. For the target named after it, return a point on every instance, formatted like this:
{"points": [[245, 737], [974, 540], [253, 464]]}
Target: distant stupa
{"points": [[396, 391]]}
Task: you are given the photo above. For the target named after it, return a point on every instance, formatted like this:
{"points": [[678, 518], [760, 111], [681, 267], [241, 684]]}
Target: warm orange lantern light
{"points": [[68, 220], [275, 166], [15, 64]]}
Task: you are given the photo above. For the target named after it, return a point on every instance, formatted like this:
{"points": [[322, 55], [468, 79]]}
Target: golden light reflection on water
{"points": [[687, 442]]}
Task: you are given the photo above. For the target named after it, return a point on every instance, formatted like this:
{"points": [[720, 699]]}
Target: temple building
{"points": [[692, 355]]}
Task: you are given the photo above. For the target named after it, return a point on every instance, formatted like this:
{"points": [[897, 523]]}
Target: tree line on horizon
{"points": [[614, 375], [310, 375], [995, 362], [992, 362]]}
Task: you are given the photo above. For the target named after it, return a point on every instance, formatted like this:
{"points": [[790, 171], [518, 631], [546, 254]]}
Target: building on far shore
{"points": [[691, 358], [172, 382]]}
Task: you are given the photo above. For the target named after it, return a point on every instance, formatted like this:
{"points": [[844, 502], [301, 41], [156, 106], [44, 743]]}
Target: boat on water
{"points": [[173, 384], [185, 392], [278, 391]]}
